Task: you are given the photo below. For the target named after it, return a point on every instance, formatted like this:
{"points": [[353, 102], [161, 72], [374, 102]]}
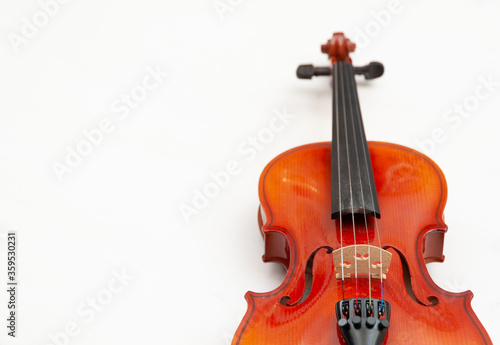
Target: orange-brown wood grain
{"points": [[295, 220]]}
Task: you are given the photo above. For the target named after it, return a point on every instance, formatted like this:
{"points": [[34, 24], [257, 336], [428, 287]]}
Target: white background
{"points": [[118, 209]]}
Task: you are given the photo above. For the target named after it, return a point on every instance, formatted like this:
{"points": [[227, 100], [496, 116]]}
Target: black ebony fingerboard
{"points": [[353, 185]]}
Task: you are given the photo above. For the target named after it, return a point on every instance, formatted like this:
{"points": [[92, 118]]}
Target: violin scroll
{"points": [[338, 48]]}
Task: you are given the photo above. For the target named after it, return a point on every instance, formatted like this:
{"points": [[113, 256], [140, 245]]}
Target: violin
{"points": [[354, 224]]}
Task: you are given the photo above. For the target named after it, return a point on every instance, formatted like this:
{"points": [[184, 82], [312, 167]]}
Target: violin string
{"points": [[361, 128], [350, 182], [336, 74], [352, 98]]}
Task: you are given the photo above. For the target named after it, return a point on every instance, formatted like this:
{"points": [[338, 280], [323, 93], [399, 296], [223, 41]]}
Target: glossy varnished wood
{"points": [[294, 192]]}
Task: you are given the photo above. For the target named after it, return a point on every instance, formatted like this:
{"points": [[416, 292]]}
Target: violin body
{"points": [[354, 224], [294, 194]]}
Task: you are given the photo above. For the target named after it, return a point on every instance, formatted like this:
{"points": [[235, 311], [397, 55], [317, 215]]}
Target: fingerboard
{"points": [[353, 184]]}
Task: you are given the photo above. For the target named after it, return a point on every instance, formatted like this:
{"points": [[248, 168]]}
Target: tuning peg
{"points": [[309, 71], [371, 71]]}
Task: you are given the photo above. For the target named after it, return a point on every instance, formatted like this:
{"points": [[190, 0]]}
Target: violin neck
{"points": [[353, 184]]}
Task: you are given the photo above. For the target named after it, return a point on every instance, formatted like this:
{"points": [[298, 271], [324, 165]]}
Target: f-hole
{"points": [[308, 278], [407, 279]]}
